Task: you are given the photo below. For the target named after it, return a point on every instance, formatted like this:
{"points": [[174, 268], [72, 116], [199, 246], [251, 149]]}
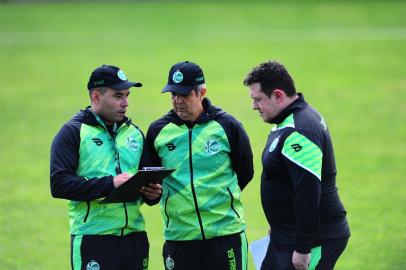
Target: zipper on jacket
{"points": [[87, 212], [118, 171], [126, 219], [232, 202], [166, 213], [117, 155], [193, 187]]}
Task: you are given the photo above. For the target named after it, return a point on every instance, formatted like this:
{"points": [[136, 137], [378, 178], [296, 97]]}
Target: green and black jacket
{"points": [[85, 156], [213, 162], [298, 187]]}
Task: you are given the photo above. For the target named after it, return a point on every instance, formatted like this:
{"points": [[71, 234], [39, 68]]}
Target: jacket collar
{"points": [[90, 118], [298, 104], [209, 113]]}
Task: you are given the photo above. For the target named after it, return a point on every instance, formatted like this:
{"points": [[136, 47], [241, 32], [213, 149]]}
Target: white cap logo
{"points": [[121, 75], [177, 77]]}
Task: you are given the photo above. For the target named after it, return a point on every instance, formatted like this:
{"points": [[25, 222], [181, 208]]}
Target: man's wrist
{"points": [[303, 248]]}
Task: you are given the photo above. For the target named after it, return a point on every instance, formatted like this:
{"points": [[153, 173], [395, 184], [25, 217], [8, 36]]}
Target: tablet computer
{"points": [[129, 191]]}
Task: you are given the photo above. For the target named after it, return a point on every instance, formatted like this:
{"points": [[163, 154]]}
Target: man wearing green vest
{"points": [[309, 229], [98, 150], [201, 207]]}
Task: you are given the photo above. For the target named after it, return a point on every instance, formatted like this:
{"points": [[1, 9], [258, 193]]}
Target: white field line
{"points": [[341, 34], [257, 35]]}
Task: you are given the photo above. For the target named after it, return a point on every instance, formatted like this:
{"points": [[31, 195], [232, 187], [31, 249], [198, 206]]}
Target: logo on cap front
{"points": [[121, 75], [177, 77]]}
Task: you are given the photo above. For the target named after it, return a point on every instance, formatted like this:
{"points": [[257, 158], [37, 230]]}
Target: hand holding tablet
{"points": [[130, 190]]}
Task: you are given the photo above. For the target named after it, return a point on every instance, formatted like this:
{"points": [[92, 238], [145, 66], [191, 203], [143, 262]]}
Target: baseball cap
{"points": [[110, 76], [183, 77]]}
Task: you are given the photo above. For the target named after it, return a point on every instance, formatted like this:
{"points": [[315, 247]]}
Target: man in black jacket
{"points": [[298, 183]]}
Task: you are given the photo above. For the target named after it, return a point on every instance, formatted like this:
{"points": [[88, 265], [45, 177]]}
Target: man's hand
{"points": [[300, 261], [152, 192], [121, 179]]}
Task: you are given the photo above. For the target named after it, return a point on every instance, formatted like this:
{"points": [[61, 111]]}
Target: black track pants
{"points": [[220, 253], [110, 252], [282, 260]]}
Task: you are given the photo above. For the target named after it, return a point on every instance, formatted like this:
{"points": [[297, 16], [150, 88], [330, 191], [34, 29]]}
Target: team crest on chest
{"points": [[132, 144], [273, 144], [212, 146]]}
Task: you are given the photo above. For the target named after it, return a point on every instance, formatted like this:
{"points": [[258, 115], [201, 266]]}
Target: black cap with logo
{"points": [[183, 77], [110, 76]]}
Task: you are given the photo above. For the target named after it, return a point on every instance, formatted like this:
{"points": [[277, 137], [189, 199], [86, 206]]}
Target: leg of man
{"points": [[266, 263], [136, 248], [95, 251], [330, 252], [227, 252], [183, 255], [277, 259]]}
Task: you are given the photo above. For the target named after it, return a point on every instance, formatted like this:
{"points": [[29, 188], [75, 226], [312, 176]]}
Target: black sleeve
{"points": [[146, 156], [307, 191], [152, 133], [241, 153], [306, 184], [146, 161], [65, 183]]}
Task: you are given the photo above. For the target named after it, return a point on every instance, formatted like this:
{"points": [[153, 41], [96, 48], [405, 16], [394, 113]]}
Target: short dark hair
{"points": [[101, 90], [271, 75]]}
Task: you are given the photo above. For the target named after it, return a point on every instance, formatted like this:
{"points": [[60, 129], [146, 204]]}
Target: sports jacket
{"points": [[298, 183], [213, 162], [85, 157]]}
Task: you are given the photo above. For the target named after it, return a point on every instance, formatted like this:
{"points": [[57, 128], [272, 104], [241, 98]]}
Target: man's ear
{"points": [[95, 97], [280, 95], [202, 93]]}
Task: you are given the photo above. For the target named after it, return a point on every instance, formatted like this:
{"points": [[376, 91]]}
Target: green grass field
{"points": [[347, 57]]}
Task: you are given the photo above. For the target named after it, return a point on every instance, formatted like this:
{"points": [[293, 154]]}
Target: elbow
{"points": [[251, 175], [55, 192], [245, 179], [56, 189]]}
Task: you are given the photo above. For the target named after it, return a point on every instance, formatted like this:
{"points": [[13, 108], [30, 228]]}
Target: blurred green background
{"points": [[348, 58]]}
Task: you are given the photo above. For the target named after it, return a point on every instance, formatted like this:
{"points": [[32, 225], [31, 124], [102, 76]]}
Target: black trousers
{"points": [[282, 260], [220, 253], [110, 252]]}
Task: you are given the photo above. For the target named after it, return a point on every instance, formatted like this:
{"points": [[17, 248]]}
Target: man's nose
{"points": [[254, 106], [177, 99], [124, 102]]}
